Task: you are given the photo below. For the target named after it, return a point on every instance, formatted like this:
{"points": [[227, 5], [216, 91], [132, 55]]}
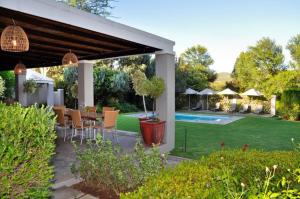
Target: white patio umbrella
{"points": [[206, 92], [252, 92], [190, 92], [227, 91]]}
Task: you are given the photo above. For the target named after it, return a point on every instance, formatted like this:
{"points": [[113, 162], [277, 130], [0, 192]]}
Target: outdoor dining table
{"points": [[85, 115]]}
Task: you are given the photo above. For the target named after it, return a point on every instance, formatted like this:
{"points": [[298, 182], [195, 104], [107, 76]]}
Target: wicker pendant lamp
{"points": [[20, 69], [14, 39], [70, 59]]}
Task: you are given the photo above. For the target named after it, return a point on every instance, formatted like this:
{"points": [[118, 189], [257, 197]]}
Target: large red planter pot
{"points": [[152, 131]]}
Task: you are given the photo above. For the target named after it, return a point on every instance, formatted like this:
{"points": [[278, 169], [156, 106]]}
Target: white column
{"points": [[85, 83], [21, 96], [273, 105], [165, 104], [50, 94]]}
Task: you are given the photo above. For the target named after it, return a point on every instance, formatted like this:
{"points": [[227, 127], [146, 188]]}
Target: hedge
{"points": [[289, 105], [26, 146], [227, 174]]}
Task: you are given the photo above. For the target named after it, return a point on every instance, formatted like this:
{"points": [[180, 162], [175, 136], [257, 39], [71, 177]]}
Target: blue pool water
{"points": [[198, 118]]}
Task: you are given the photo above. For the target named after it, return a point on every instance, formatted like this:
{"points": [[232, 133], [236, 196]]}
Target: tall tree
{"points": [[268, 56], [133, 63], [246, 72], [193, 70], [196, 55], [261, 67], [98, 7], [294, 48]]}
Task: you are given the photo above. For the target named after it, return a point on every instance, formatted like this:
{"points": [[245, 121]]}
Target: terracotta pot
{"points": [[142, 119], [152, 131]]}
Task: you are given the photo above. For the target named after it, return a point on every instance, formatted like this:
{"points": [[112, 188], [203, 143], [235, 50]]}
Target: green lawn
{"points": [[258, 132]]}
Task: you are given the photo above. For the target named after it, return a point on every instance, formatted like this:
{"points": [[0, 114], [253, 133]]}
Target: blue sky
{"points": [[224, 27]]}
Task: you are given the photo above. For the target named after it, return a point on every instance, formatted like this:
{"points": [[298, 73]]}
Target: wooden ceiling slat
{"points": [[66, 44], [65, 37], [50, 40], [55, 49], [61, 27], [42, 30]]}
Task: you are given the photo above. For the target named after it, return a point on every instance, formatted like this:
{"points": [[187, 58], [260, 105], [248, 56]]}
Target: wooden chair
{"points": [[109, 124], [78, 124], [61, 120], [107, 108], [59, 107]]}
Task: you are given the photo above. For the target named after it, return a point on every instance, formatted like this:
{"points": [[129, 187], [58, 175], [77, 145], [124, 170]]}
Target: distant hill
{"points": [[223, 77], [220, 83]]}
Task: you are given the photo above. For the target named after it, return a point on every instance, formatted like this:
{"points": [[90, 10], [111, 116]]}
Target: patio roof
{"points": [[54, 28]]}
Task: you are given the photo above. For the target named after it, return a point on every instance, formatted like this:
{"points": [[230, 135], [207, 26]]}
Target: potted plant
{"points": [[152, 128], [30, 86]]}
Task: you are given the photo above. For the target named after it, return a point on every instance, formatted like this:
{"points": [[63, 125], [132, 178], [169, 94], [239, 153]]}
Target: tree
{"points": [[141, 85], [98, 7], [196, 77], [268, 56], [193, 70], [294, 48], [54, 72], [282, 81], [245, 71], [196, 55], [258, 65], [133, 63]]}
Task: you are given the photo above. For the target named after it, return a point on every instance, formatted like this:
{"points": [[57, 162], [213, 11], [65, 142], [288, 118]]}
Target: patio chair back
{"points": [[60, 116], [91, 109], [110, 119], [59, 107], [218, 105], [76, 118], [107, 108]]}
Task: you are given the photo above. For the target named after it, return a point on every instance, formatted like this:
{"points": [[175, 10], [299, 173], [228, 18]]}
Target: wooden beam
{"points": [[66, 28], [55, 49], [40, 30]]}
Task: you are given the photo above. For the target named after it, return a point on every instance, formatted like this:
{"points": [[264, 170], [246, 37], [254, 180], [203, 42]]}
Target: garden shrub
{"points": [[289, 105], [103, 165], [124, 107], [2, 87], [247, 166], [9, 83], [26, 146], [227, 174], [225, 104]]}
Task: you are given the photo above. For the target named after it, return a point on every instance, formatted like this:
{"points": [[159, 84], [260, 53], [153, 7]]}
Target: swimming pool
{"points": [[199, 118]]}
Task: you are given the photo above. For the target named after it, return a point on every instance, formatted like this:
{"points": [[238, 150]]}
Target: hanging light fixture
{"points": [[14, 39], [70, 59], [20, 68]]}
